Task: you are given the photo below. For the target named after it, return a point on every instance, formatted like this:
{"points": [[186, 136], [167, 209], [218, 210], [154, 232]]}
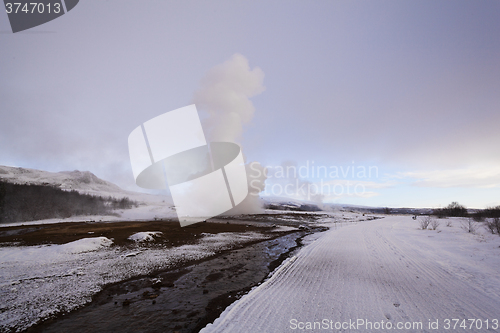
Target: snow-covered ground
{"points": [[375, 275], [37, 282]]}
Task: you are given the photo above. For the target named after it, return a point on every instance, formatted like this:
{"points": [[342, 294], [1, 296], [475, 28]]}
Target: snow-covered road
{"points": [[378, 274]]}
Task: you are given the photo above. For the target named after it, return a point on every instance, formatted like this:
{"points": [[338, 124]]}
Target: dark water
{"points": [[180, 300]]}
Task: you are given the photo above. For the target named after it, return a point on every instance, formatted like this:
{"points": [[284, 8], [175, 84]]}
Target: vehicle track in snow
{"points": [[362, 271]]}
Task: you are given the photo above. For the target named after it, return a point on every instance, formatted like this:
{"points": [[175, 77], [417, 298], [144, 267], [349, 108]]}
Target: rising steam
{"points": [[225, 94]]}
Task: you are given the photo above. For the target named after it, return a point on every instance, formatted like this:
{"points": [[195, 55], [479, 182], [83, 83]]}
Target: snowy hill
{"points": [[81, 181], [150, 206]]}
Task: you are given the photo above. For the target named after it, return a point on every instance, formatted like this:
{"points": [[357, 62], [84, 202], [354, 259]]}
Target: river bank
{"points": [[178, 282]]}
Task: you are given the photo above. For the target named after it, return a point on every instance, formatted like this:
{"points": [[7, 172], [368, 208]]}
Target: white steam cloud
{"points": [[225, 94]]}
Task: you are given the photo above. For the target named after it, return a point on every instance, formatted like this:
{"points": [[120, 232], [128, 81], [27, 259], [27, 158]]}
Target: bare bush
{"points": [[424, 222], [448, 223], [470, 226], [493, 225], [434, 224]]}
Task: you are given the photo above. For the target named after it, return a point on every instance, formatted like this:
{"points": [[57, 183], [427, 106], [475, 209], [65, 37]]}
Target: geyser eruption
{"points": [[224, 94]]}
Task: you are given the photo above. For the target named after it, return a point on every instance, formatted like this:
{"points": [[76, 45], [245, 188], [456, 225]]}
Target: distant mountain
{"points": [[278, 203], [282, 203]]}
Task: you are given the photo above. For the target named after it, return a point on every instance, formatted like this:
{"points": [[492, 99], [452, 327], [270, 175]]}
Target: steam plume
{"points": [[225, 93]]}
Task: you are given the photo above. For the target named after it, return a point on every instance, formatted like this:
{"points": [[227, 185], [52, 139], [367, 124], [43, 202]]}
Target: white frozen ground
{"points": [[37, 282], [378, 274]]}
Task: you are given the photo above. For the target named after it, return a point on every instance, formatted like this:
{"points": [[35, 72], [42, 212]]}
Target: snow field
{"points": [[377, 271]]}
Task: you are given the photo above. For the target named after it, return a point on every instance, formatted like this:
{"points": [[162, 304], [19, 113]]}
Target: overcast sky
{"points": [[409, 87]]}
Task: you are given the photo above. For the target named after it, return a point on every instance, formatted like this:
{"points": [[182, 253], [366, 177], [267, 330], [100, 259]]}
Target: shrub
{"points": [[470, 226], [434, 224], [424, 222], [493, 225]]}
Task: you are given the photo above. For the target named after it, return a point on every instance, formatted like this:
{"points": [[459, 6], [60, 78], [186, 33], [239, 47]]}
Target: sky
{"points": [[407, 89]]}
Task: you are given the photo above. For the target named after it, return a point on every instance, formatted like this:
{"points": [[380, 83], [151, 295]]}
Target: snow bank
{"points": [[52, 253], [145, 236], [283, 228], [85, 245]]}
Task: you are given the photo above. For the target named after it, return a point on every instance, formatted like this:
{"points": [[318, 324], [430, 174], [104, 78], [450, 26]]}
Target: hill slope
{"points": [[85, 182], [81, 181]]}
